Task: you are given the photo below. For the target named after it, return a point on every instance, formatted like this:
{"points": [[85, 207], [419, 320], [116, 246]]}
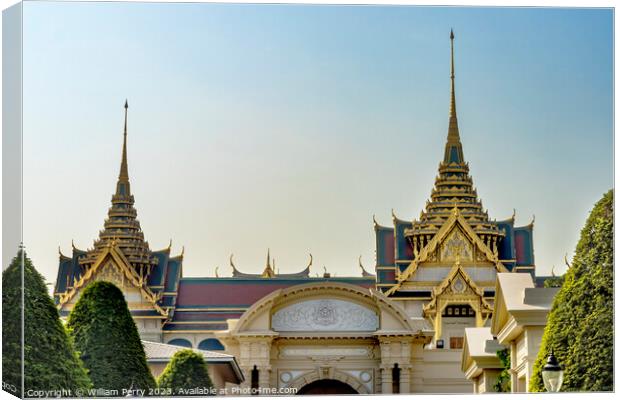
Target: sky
{"points": [[289, 126]]}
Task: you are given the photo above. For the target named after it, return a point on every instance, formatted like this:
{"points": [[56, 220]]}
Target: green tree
{"points": [[108, 341], [186, 371], [580, 325], [50, 362]]}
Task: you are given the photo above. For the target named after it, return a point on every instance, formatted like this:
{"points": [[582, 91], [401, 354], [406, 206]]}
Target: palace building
{"points": [[400, 330]]}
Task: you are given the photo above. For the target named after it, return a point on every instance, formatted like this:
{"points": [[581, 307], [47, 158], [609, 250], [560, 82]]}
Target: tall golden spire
{"points": [[454, 150], [122, 228], [452, 99], [122, 187], [269, 271], [454, 189]]}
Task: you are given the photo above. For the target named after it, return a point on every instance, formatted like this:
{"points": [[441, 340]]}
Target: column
{"points": [[513, 363], [479, 322], [264, 374], [438, 325], [247, 375], [386, 379], [416, 371], [405, 378]]}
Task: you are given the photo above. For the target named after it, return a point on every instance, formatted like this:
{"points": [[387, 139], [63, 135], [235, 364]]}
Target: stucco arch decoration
{"points": [[341, 376], [258, 318]]}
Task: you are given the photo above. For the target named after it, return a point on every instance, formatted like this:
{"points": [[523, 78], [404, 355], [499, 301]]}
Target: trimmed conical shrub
{"points": [[186, 374], [50, 362], [108, 341], [580, 325]]}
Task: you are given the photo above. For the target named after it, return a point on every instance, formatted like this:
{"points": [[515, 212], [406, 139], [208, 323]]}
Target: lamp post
{"points": [[552, 374]]}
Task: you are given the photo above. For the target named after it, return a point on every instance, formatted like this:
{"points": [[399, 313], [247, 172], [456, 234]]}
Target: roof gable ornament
{"points": [[364, 272]]}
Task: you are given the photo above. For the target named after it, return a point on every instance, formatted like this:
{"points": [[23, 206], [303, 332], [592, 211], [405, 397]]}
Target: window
{"points": [[254, 381], [456, 342], [211, 344], [395, 379], [460, 310], [180, 342]]}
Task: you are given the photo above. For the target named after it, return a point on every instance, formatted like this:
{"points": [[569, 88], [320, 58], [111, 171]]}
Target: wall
{"points": [[442, 373]]}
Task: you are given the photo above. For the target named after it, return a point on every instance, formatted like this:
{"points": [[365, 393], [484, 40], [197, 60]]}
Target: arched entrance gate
{"points": [[327, 386], [327, 338]]}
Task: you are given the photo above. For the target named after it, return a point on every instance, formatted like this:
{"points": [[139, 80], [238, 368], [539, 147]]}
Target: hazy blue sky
{"points": [[256, 126]]}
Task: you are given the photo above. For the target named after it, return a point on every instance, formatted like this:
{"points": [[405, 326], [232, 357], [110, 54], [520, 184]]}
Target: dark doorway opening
{"points": [[327, 386]]}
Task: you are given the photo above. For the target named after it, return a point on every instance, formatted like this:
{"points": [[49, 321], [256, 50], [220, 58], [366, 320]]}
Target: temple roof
{"points": [[243, 292], [122, 226], [453, 185]]}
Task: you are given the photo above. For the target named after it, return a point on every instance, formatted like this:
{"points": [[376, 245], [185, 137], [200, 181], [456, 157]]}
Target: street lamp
{"points": [[552, 374]]}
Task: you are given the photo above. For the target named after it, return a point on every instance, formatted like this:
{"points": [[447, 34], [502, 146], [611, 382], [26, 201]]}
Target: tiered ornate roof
{"points": [[453, 188], [122, 228], [156, 272], [453, 198]]}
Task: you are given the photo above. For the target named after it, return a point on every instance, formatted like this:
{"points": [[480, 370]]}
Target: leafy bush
{"points": [[106, 336], [186, 372], [580, 325], [503, 380], [50, 362]]}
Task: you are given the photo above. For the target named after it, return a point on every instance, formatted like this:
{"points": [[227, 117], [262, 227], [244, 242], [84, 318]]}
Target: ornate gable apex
{"points": [[114, 254], [457, 283], [455, 221]]}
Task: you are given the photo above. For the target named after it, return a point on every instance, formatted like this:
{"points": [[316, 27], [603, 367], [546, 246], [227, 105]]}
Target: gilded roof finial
{"points": [[364, 272], [268, 272], [217, 275]]}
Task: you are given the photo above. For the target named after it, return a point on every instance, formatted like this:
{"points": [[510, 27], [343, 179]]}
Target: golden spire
{"points": [[452, 97], [122, 187], [268, 272], [454, 150]]}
